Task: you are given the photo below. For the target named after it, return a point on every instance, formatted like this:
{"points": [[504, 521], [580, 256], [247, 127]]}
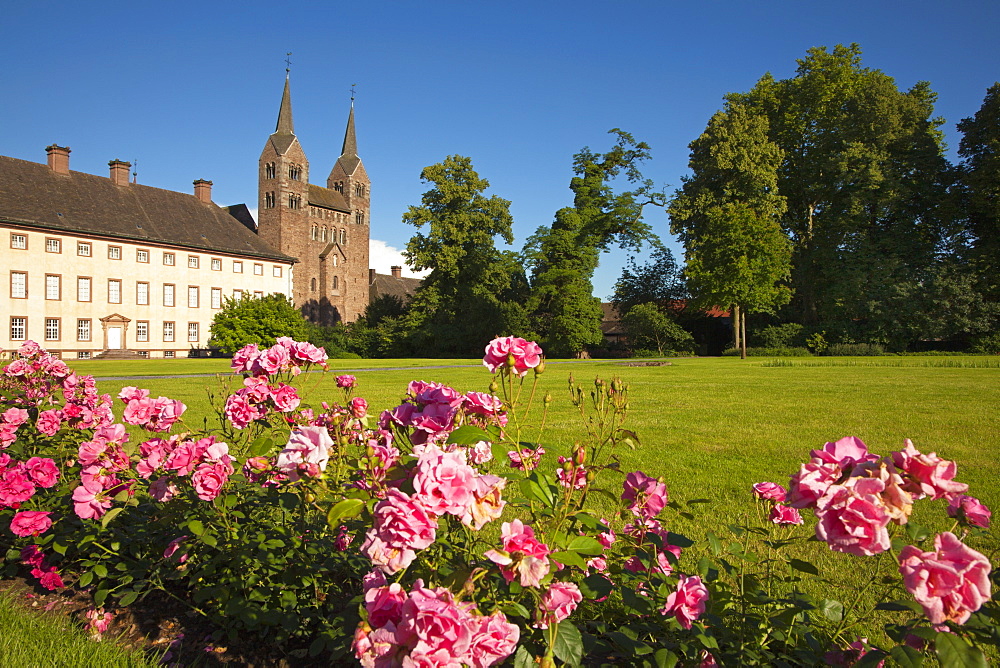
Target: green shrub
{"points": [[987, 344], [769, 352], [854, 350], [778, 336]]}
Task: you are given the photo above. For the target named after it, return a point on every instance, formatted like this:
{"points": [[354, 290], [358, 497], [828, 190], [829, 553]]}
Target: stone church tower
{"points": [[327, 229]]}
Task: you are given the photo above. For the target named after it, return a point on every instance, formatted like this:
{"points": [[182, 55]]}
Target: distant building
{"points": [[393, 286], [101, 265]]}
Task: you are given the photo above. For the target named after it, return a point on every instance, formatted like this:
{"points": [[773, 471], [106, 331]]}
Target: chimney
{"points": [[58, 158], [203, 191], [371, 276], [396, 270], [119, 172]]}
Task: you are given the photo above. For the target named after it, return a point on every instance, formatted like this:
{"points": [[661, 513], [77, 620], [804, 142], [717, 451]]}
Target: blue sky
{"points": [[191, 90]]}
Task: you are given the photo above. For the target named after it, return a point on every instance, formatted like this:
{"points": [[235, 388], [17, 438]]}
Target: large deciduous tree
{"points": [[658, 281], [474, 291], [563, 257], [864, 178], [727, 215], [980, 181]]}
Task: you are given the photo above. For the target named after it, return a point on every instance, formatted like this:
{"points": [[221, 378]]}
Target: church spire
{"points": [[285, 114], [350, 149]]}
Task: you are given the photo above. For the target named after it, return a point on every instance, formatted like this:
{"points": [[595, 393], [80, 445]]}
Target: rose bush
{"points": [[439, 534]]}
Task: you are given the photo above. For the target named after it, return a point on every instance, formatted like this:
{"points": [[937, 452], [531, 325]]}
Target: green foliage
{"points": [[778, 336], [781, 351], [988, 344], [659, 280], [864, 176], [563, 257], [727, 215], [474, 291], [854, 350], [816, 342], [259, 320], [649, 327], [979, 178]]}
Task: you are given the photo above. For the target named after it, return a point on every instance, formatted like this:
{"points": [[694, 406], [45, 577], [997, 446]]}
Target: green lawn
{"points": [[33, 639]]}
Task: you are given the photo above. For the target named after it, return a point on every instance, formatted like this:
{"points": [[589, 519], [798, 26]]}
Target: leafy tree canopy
{"points": [[474, 291], [259, 320]]}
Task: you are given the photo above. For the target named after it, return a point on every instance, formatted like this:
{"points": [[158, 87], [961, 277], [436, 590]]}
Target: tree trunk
{"points": [[743, 334], [735, 317]]}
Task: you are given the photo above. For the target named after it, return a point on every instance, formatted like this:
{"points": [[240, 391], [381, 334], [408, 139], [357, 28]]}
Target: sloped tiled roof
{"points": [[32, 194], [402, 287], [328, 198]]}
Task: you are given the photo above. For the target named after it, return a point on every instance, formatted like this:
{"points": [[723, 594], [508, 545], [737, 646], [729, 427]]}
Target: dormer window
{"points": [[269, 170]]}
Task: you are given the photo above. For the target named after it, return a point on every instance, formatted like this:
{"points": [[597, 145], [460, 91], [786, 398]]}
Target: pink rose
{"points": [[15, 416], [50, 579], [163, 489], [852, 518], [89, 500], [845, 453], [138, 411], [303, 351], [15, 487], [432, 622], [385, 604], [402, 526], [950, 583], [42, 471], [306, 445], [928, 475], [359, 407], [782, 514], [286, 399], [648, 495], [769, 490], [810, 484], [487, 504], [130, 393], [32, 556], [30, 523], [443, 482], [688, 602], [240, 412], [8, 434], [493, 640], [97, 621], [557, 603], [518, 354], [346, 381], [49, 422], [173, 546], [971, 509], [481, 452], [208, 480], [481, 403], [274, 359], [244, 358], [522, 556], [165, 413]]}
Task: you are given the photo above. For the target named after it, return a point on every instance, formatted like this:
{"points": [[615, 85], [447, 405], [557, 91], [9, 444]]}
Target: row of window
{"points": [[84, 292], [334, 283], [85, 330], [360, 189], [294, 171], [317, 233], [85, 249]]}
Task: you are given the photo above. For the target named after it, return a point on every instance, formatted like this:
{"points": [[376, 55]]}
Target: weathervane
{"points": [[288, 62], [135, 171], [352, 92]]}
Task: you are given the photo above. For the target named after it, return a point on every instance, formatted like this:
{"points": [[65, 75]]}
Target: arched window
{"points": [[312, 285], [322, 234], [269, 170], [359, 217], [336, 260], [336, 282], [314, 232], [268, 200], [343, 237]]}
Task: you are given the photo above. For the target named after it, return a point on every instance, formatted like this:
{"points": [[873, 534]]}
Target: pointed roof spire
{"points": [[350, 138], [285, 114]]}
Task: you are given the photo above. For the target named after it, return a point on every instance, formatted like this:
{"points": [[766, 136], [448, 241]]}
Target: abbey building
{"points": [[101, 265]]}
